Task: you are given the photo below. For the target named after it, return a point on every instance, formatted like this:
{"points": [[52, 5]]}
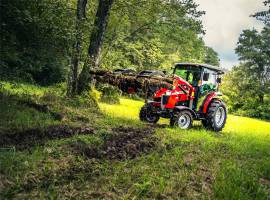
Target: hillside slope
{"points": [[107, 153]]}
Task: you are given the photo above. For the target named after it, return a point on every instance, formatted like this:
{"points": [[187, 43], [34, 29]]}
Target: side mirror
{"points": [[218, 80], [205, 76]]}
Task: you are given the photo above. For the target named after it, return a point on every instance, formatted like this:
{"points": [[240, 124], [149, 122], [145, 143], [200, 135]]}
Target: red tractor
{"points": [[194, 96]]}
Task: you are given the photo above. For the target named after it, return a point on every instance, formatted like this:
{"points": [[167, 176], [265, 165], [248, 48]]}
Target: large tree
{"points": [[77, 48], [96, 42], [248, 84], [153, 34], [39, 38], [253, 49], [264, 15]]}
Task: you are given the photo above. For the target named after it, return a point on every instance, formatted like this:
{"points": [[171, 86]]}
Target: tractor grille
{"points": [[164, 99], [158, 99]]}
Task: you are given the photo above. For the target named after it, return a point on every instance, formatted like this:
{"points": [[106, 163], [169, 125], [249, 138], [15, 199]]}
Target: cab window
{"points": [[212, 78], [190, 74]]}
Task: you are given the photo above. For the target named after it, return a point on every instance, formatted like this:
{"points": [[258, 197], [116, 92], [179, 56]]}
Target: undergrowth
{"points": [[103, 151]]}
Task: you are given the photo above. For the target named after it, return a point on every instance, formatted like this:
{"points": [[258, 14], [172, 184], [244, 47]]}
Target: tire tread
{"points": [[209, 122]]}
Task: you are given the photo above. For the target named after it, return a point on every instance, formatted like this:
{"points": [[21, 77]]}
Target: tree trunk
{"points": [[96, 41], [77, 49], [261, 98]]}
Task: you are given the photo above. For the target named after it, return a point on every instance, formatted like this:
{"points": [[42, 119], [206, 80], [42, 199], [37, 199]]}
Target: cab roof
{"points": [[211, 67]]}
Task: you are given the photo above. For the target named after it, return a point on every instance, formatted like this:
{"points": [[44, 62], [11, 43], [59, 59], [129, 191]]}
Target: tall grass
{"points": [[193, 164]]}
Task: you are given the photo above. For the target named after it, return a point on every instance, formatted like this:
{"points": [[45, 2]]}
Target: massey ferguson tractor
{"points": [[194, 96]]}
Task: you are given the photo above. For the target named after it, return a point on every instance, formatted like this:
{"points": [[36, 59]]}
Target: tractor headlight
{"points": [[168, 93]]}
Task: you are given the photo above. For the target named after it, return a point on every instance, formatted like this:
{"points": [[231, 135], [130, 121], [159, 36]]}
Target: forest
{"points": [[42, 41], [68, 134]]}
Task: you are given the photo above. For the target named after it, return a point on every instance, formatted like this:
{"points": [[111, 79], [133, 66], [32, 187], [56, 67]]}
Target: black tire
{"points": [[182, 119], [213, 121], [147, 114], [205, 123]]}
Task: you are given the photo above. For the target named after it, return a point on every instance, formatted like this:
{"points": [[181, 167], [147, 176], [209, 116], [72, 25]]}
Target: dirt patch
{"points": [[199, 183], [4, 182], [28, 138], [125, 142], [265, 182]]}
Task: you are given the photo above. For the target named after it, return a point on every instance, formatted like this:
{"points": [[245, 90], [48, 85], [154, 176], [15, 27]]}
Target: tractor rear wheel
{"points": [[182, 119], [216, 116], [147, 114]]}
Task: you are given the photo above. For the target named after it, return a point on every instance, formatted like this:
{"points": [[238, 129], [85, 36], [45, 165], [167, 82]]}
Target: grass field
{"points": [[237, 159], [169, 163]]}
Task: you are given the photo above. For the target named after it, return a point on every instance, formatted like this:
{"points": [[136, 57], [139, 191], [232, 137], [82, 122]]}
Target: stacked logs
{"points": [[131, 83]]}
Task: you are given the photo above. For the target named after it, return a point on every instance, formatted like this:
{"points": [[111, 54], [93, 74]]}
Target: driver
{"points": [[196, 78]]}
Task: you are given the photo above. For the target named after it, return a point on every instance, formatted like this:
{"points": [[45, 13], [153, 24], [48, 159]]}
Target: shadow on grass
{"points": [[27, 139]]}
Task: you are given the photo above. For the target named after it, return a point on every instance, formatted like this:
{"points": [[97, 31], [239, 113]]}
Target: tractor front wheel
{"points": [[147, 114], [216, 116], [182, 119]]}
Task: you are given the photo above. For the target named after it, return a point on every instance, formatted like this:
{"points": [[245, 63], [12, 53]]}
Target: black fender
{"points": [[180, 108]]}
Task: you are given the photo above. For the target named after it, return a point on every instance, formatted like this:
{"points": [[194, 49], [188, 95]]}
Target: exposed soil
{"points": [[28, 138], [125, 142], [265, 182], [122, 143]]}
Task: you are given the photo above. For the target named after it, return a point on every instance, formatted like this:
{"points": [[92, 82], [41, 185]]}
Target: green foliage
{"points": [[153, 34], [37, 37], [242, 91], [264, 16], [256, 111], [109, 94], [211, 57], [248, 84], [35, 40], [17, 115], [253, 49]]}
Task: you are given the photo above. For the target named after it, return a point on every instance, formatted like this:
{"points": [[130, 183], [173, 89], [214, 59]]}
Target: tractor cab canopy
{"points": [[198, 74]]}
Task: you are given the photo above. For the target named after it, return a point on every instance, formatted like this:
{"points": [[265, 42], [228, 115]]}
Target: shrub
{"points": [[259, 111], [110, 94]]}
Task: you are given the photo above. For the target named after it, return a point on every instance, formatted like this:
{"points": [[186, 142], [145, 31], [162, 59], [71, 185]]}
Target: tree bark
{"points": [[96, 41], [261, 98], [77, 49]]}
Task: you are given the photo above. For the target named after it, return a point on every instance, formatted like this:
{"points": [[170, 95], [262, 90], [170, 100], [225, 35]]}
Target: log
{"points": [[129, 83]]}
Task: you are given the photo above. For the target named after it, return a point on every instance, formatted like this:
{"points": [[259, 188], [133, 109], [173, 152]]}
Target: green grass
{"points": [[238, 157], [126, 109], [193, 164], [18, 117]]}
